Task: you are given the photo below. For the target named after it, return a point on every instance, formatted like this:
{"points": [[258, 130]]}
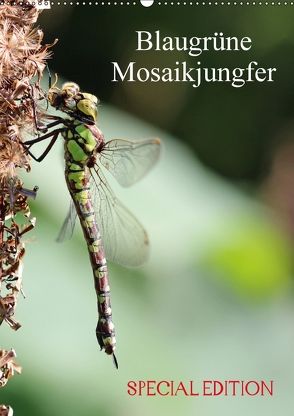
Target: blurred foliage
{"points": [[254, 258]]}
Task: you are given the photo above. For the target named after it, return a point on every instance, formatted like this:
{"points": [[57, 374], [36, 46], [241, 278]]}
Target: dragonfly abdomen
{"points": [[105, 331], [105, 328], [78, 181]]}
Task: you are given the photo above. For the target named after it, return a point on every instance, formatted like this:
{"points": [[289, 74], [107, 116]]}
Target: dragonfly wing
{"points": [[129, 161], [68, 225], [124, 239]]}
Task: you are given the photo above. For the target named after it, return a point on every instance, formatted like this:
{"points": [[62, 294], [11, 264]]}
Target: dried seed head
{"points": [[22, 57], [12, 157], [8, 367], [20, 44], [19, 12], [5, 410]]}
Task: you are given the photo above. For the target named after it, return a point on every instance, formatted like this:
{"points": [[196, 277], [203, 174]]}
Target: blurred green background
{"points": [[215, 301]]}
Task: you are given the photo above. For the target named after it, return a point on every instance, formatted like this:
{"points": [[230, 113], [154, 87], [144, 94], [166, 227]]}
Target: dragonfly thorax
{"points": [[82, 143]]}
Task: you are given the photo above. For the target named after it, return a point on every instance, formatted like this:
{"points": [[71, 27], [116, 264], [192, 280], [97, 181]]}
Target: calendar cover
{"points": [[164, 132]]}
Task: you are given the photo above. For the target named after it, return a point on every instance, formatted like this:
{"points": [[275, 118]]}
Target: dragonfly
{"points": [[109, 228]]}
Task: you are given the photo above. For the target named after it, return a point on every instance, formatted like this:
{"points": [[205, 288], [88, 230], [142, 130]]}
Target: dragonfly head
{"points": [[72, 101], [63, 99]]}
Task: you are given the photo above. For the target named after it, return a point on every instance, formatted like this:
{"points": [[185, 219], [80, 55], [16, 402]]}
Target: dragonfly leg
{"points": [[41, 138], [54, 134], [57, 120], [115, 360]]}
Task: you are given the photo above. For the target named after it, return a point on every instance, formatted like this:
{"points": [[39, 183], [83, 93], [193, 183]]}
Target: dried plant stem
{"points": [[2, 221], [22, 61]]}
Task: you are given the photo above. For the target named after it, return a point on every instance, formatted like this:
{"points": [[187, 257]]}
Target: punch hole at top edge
{"points": [[147, 3]]}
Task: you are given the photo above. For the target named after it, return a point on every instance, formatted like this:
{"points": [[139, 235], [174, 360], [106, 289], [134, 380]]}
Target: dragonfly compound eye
{"points": [[90, 97], [88, 108]]}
